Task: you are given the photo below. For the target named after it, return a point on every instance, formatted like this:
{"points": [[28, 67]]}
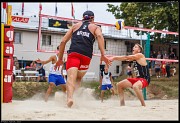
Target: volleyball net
{"points": [[52, 29]]}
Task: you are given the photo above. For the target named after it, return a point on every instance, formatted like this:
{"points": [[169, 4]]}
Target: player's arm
{"points": [[64, 40], [100, 39], [128, 58], [46, 61], [111, 79], [100, 81]]}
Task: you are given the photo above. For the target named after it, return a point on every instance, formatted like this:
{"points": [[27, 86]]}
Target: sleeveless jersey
{"points": [[106, 78], [140, 71], [82, 41], [57, 71]]}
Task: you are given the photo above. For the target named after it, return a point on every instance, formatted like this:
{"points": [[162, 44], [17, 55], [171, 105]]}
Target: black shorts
{"points": [[157, 70]]}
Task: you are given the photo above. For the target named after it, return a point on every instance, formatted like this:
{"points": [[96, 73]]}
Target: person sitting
{"points": [[42, 74], [33, 65]]}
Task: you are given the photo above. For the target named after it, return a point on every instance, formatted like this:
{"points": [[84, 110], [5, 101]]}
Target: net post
{"points": [[147, 55]]}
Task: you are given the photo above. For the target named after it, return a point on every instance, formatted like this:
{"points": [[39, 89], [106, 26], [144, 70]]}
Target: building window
{"points": [[46, 40], [117, 69], [17, 37]]}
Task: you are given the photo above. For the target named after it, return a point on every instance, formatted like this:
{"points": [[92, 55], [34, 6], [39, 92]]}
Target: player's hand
{"points": [[38, 60], [111, 58], [106, 60]]}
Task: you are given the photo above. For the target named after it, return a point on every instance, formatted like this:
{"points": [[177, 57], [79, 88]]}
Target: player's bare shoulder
{"points": [[76, 26], [140, 55], [92, 27], [141, 59]]}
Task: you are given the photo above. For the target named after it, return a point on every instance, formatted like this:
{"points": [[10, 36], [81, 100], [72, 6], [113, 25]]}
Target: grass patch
{"points": [[157, 89]]}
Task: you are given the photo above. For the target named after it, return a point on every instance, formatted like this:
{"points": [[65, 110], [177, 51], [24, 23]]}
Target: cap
{"points": [[88, 15]]}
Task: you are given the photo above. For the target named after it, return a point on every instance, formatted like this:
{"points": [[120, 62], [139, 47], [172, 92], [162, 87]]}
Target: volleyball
{"points": [[119, 25]]}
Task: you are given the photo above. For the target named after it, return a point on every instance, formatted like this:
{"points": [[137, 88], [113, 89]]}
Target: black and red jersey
{"points": [[140, 71], [82, 41]]}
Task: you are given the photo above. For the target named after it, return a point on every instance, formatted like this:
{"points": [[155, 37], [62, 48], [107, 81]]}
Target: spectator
{"points": [[33, 65], [42, 74], [165, 55], [163, 68], [150, 68], [159, 55], [168, 69], [158, 68], [154, 55], [172, 56]]}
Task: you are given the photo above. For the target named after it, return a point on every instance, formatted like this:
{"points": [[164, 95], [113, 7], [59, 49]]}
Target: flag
{"points": [[5, 4], [56, 10], [40, 6], [72, 11], [22, 8]]}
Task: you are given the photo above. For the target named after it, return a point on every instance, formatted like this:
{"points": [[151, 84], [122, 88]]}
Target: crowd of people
{"points": [[162, 68]]}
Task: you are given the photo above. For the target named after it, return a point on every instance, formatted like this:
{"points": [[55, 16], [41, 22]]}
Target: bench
{"points": [[31, 74], [90, 76], [28, 75], [19, 77]]}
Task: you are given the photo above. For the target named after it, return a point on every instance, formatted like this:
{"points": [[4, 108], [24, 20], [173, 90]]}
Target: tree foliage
{"points": [[159, 16]]}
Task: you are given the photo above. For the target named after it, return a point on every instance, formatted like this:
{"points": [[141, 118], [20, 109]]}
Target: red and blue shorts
{"points": [[134, 80], [77, 60]]}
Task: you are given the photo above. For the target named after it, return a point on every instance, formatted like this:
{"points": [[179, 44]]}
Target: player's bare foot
{"points": [[70, 103]]}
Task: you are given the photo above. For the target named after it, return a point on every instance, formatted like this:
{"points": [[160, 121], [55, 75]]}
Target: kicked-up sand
{"points": [[86, 107]]}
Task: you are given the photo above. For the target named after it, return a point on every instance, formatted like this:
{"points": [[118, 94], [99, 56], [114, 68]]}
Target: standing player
{"points": [[82, 35], [55, 75], [106, 82]]}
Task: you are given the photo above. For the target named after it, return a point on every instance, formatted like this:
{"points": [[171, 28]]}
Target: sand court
{"points": [[86, 107]]}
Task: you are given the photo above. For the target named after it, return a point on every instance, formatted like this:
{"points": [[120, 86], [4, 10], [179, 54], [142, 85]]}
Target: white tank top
{"points": [[106, 79], [53, 71]]}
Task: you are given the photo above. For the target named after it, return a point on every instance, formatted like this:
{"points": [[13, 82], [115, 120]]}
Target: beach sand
{"points": [[86, 107]]}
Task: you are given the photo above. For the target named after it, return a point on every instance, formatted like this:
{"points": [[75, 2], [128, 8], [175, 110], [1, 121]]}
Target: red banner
{"points": [[20, 19]]}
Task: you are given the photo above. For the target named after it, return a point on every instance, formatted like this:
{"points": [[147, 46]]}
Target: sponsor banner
{"points": [[60, 24], [20, 19]]}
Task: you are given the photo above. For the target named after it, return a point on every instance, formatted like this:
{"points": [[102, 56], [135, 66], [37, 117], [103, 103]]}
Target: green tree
{"points": [[160, 16]]}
